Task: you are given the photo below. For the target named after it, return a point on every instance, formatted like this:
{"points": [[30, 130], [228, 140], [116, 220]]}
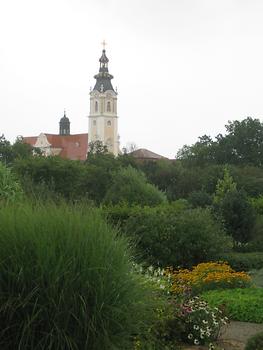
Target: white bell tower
{"points": [[103, 120]]}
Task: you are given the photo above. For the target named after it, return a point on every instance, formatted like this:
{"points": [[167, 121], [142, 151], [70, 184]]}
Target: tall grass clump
{"points": [[66, 281]]}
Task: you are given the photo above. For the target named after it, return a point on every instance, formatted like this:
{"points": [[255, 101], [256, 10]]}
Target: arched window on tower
{"points": [[108, 106], [96, 106]]}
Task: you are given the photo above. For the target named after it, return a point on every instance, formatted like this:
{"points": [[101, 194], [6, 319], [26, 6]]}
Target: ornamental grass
{"points": [[208, 276], [66, 281]]}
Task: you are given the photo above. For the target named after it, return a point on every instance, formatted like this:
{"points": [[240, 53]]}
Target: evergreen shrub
{"points": [[66, 281]]}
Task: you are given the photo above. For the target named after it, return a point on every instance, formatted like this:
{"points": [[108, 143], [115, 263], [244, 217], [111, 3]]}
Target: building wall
{"points": [[103, 120]]}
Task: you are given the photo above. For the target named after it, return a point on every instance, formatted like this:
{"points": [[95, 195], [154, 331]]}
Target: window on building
{"points": [[108, 106], [96, 106], [94, 122], [109, 123]]}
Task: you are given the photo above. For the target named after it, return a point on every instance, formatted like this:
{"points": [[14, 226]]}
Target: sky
{"points": [[183, 68]]}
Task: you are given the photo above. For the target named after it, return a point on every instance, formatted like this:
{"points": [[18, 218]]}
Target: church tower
{"points": [[64, 125], [103, 120]]}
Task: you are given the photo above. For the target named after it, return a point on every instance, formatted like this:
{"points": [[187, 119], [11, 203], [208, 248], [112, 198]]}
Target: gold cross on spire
{"points": [[104, 44]]}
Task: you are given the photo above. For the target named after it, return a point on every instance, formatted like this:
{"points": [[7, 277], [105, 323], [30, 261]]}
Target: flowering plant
{"points": [[201, 323], [207, 276]]}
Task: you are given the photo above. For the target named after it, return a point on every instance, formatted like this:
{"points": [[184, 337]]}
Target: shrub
{"points": [[185, 238], [244, 261], [197, 322], [238, 215], [118, 215], [255, 342], [10, 189], [130, 186], [241, 304], [207, 276], [66, 281]]}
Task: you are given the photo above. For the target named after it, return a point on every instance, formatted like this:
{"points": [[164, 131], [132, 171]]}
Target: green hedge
{"points": [[244, 261]]}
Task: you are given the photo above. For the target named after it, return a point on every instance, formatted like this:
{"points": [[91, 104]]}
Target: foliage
{"points": [[8, 152], [242, 144], [66, 281], [207, 276], [234, 208], [97, 147], [257, 277], [118, 215], [244, 261], [130, 186], [64, 177], [224, 186], [241, 304], [10, 189], [182, 238], [255, 342], [200, 199], [198, 322]]}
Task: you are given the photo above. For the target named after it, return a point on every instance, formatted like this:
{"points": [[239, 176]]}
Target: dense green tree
{"points": [[131, 186], [238, 215], [242, 144]]}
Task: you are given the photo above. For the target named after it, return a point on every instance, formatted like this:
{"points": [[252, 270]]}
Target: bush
{"points": [[130, 186], [244, 261], [208, 276], [117, 215], [241, 304], [197, 322], [238, 215], [185, 238], [66, 281], [10, 189], [255, 342]]}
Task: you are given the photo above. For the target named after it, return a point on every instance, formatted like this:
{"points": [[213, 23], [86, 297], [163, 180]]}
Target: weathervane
{"points": [[104, 44]]}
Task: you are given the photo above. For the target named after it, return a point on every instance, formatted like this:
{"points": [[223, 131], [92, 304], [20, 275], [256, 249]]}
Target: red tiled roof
{"points": [[74, 147]]}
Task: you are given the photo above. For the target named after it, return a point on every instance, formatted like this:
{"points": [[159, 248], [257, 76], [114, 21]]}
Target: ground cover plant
{"points": [[66, 281], [241, 304]]}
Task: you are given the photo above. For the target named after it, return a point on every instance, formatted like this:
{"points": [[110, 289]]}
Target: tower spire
{"points": [[103, 78]]}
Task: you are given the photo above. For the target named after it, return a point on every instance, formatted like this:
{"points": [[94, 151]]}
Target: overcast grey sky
{"points": [[183, 68]]}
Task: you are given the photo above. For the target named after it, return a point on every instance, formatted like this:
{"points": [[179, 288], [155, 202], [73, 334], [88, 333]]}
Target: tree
{"points": [[130, 186], [238, 215], [97, 147], [242, 144], [224, 186]]}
